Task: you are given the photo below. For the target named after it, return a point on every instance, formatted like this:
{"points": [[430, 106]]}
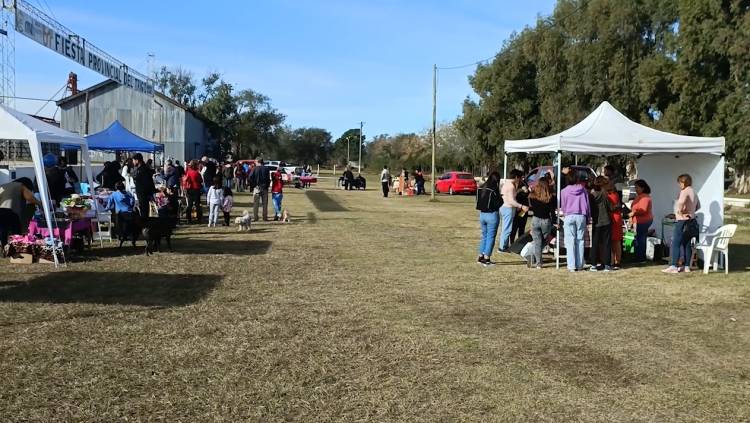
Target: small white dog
{"points": [[285, 216], [243, 222]]}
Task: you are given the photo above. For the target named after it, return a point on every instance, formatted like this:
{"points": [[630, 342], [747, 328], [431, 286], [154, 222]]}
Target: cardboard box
{"points": [[22, 259]]}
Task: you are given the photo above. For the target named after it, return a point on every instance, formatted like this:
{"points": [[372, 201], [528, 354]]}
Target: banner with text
{"points": [[75, 48]]}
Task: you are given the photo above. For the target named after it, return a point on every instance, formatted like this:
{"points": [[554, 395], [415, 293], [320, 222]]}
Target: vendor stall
{"points": [[661, 157], [117, 138], [15, 125]]}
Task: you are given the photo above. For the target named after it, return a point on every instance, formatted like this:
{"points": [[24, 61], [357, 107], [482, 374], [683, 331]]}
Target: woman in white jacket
{"points": [[215, 200]]}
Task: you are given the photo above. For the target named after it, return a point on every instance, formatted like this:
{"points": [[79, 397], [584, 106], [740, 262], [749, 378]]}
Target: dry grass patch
{"points": [[367, 309]]}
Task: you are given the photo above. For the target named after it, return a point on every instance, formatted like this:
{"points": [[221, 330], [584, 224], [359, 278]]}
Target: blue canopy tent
{"points": [[118, 138]]}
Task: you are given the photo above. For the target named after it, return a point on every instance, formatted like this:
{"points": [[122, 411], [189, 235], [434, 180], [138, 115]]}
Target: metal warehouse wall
{"points": [[156, 119]]}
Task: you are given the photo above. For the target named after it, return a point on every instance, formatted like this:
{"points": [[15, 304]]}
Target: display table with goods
{"points": [[72, 222], [27, 249]]}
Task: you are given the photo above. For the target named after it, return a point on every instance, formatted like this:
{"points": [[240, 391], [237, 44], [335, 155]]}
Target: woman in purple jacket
{"points": [[574, 204]]}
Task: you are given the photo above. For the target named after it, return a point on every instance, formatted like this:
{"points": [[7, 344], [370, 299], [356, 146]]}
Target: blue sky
{"points": [[327, 63]]}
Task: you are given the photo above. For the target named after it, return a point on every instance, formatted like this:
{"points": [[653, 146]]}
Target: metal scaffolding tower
{"points": [[7, 53]]}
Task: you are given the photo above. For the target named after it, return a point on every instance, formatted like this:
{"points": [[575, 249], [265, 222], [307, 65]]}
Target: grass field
{"points": [[367, 309]]}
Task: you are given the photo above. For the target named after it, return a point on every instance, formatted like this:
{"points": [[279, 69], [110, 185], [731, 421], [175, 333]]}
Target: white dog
{"points": [[285, 216], [243, 222]]}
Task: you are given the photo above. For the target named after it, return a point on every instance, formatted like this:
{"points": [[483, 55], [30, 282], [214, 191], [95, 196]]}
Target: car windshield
{"points": [[464, 176]]}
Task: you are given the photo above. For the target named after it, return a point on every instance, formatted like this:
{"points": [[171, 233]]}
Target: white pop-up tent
{"points": [[15, 125], [661, 158]]}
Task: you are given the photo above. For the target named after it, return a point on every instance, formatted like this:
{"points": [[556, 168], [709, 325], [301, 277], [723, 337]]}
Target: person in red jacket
{"points": [[192, 184], [277, 188]]}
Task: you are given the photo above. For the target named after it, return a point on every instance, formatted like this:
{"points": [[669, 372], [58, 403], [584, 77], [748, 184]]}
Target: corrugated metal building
{"points": [[157, 118]]}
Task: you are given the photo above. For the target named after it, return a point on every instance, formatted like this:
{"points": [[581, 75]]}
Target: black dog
{"points": [[156, 228]]}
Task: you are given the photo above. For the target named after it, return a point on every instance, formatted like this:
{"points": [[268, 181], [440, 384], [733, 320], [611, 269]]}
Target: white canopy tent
{"points": [[662, 156], [15, 125]]}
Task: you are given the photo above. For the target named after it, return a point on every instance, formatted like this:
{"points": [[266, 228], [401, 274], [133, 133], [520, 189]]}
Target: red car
{"points": [[456, 183]]}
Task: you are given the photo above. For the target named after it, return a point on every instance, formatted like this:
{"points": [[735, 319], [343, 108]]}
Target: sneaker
{"points": [[538, 267], [503, 250], [608, 268], [671, 269], [616, 267], [572, 270], [685, 269], [488, 262], [480, 260], [593, 269]]}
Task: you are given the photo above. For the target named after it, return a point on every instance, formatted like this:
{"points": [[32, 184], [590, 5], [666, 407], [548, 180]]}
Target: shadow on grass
{"points": [[323, 202], [122, 288], [182, 246]]}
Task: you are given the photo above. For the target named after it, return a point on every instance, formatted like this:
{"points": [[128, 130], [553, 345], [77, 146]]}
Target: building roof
{"points": [[106, 84]]}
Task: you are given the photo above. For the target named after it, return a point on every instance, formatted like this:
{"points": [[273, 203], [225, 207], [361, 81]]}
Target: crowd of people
{"points": [[584, 202], [402, 184]]}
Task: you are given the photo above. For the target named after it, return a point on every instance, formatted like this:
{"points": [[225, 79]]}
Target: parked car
{"points": [[533, 176], [456, 183]]}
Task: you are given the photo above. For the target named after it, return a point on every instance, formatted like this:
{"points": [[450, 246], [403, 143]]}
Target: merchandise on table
{"points": [[38, 248]]}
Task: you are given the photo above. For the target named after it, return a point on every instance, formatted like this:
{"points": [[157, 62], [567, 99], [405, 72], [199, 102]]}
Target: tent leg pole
{"points": [[557, 237], [505, 166]]}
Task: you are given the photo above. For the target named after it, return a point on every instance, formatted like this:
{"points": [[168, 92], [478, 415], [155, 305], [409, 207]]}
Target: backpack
{"points": [[488, 200]]}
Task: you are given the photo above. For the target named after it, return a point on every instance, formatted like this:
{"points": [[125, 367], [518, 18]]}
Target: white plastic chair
{"points": [[104, 227], [718, 245]]}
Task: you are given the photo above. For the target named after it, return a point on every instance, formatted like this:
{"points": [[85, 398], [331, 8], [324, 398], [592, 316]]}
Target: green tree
{"points": [[178, 84], [349, 140]]}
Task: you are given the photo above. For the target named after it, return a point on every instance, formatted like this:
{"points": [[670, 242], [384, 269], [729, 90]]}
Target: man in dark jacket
{"points": [[210, 171], [260, 180], [143, 177], [348, 179]]}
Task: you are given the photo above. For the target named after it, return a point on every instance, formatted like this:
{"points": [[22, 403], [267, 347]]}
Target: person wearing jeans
{"points": [[277, 187], [575, 227], [685, 227], [574, 204], [542, 204], [488, 203], [508, 209], [642, 217]]}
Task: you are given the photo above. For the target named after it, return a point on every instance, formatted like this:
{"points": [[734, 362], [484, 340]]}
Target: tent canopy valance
{"points": [[607, 131], [118, 138]]}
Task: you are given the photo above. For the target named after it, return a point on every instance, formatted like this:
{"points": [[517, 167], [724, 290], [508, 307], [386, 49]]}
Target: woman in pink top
{"points": [[685, 226]]}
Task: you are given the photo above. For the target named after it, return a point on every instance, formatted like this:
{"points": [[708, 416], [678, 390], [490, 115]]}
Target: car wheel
{"points": [[450, 191]]}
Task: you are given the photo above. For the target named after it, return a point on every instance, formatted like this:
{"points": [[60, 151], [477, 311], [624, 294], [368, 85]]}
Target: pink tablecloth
{"points": [[64, 233]]}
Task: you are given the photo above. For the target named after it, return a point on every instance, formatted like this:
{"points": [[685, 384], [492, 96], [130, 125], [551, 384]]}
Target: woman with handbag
{"points": [[685, 226]]}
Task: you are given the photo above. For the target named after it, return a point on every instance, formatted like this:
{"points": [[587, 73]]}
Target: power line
{"points": [[24, 98], [53, 97]]}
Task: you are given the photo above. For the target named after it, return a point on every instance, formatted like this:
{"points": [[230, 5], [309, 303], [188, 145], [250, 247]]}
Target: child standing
{"points": [[277, 193], [226, 205], [617, 223], [215, 199]]}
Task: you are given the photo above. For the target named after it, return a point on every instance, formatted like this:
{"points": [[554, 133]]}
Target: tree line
{"points": [[677, 65], [243, 121]]}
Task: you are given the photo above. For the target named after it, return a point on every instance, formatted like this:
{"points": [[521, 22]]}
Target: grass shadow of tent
{"points": [[113, 288], [183, 246], [323, 202], [220, 246]]}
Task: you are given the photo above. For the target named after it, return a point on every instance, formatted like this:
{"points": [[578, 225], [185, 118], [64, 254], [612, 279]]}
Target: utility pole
{"points": [[348, 138], [359, 162], [434, 126]]}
